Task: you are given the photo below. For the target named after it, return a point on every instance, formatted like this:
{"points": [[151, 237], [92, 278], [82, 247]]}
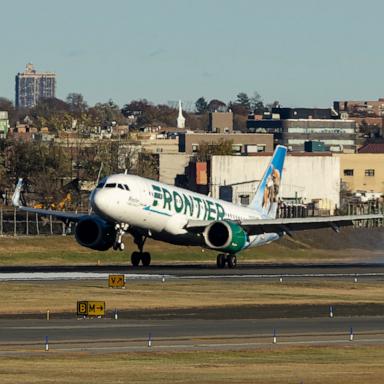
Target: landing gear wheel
{"points": [[232, 261], [146, 259], [135, 259], [220, 260]]}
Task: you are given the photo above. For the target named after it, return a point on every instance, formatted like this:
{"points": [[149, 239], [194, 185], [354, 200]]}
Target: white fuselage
{"points": [[164, 210]]}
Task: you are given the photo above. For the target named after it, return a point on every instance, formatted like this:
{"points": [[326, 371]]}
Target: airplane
{"points": [[144, 208]]}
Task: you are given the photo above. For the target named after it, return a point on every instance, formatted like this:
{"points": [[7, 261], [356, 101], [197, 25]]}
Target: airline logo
{"points": [[186, 204]]}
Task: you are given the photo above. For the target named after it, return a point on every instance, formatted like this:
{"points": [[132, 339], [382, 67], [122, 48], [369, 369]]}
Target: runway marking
{"points": [[43, 276], [63, 276], [194, 346]]}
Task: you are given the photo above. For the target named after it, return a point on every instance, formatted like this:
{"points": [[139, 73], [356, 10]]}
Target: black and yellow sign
{"points": [[90, 308], [116, 281]]}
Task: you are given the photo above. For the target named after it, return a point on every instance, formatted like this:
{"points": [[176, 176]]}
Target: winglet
{"points": [[16, 198]]}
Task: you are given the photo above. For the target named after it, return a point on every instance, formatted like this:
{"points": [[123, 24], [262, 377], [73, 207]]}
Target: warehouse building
{"points": [[307, 178]]}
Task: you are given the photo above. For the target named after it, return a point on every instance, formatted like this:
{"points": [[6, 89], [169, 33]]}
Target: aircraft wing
{"points": [[289, 225], [61, 215]]}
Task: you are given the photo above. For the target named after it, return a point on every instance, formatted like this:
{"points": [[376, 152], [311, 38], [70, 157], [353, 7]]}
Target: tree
{"points": [[41, 164], [7, 105], [201, 105], [223, 147], [216, 106], [142, 111], [51, 112], [106, 113], [243, 100], [148, 165], [238, 109], [256, 104], [76, 103], [275, 104]]}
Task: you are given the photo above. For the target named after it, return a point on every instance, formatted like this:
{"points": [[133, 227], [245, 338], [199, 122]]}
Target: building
{"points": [[293, 127], [4, 124], [360, 108], [220, 122], [362, 172], [372, 148], [242, 143], [368, 114], [308, 178], [32, 85]]}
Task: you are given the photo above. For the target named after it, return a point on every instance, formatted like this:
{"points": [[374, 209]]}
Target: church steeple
{"points": [[180, 117]]}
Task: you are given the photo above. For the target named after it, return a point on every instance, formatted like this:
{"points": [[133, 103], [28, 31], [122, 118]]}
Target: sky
{"points": [[300, 52]]}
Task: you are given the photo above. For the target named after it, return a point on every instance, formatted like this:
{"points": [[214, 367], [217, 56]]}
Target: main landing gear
{"points": [[144, 257], [223, 259], [139, 239]]}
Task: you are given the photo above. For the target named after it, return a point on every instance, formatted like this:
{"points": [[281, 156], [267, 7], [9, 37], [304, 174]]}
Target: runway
{"points": [[245, 271], [226, 328], [107, 335]]}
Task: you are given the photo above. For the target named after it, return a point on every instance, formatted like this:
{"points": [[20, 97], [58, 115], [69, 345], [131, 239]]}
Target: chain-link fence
{"points": [[15, 222]]}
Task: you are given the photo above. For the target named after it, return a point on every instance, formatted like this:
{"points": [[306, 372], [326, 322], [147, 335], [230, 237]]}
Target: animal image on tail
{"points": [[271, 190], [267, 194]]}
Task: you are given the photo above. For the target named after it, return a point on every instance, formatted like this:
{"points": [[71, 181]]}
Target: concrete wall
{"points": [[305, 177], [171, 165], [359, 163]]}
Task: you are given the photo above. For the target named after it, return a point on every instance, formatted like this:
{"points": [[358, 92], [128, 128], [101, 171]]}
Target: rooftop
{"points": [[372, 148]]}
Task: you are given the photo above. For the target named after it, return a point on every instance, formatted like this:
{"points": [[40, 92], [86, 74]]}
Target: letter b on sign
{"points": [[82, 308]]}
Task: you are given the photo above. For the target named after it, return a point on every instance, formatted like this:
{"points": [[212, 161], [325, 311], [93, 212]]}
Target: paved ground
{"points": [[107, 335], [223, 328], [210, 270]]}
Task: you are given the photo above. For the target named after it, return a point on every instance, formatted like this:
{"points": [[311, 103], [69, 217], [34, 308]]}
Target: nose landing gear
{"points": [[120, 231], [223, 259]]}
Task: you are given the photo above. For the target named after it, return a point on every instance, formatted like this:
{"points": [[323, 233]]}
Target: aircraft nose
{"points": [[99, 201]]}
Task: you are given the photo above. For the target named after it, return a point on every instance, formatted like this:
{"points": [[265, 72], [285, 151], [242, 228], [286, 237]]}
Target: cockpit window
{"points": [[110, 185], [120, 186], [126, 187]]}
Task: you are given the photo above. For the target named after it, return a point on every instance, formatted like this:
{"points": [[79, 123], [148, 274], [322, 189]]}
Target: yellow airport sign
{"points": [[90, 308], [116, 281]]}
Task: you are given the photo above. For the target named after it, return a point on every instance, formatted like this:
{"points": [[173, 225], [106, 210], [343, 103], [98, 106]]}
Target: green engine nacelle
{"points": [[225, 236]]}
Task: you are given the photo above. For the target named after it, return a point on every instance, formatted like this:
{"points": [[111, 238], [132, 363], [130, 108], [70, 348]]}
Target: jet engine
{"points": [[93, 232], [225, 236]]}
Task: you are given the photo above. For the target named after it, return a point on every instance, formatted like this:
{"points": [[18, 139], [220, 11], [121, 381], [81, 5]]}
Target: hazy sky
{"points": [[300, 52]]}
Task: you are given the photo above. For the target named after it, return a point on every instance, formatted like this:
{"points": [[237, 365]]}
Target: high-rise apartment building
{"points": [[32, 85]]}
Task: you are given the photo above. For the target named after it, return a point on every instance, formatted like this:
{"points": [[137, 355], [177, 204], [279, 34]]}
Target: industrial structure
{"points": [[32, 85]]}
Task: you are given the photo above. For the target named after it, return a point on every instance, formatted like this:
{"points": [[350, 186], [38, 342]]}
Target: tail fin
{"points": [[16, 198], [267, 193]]}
